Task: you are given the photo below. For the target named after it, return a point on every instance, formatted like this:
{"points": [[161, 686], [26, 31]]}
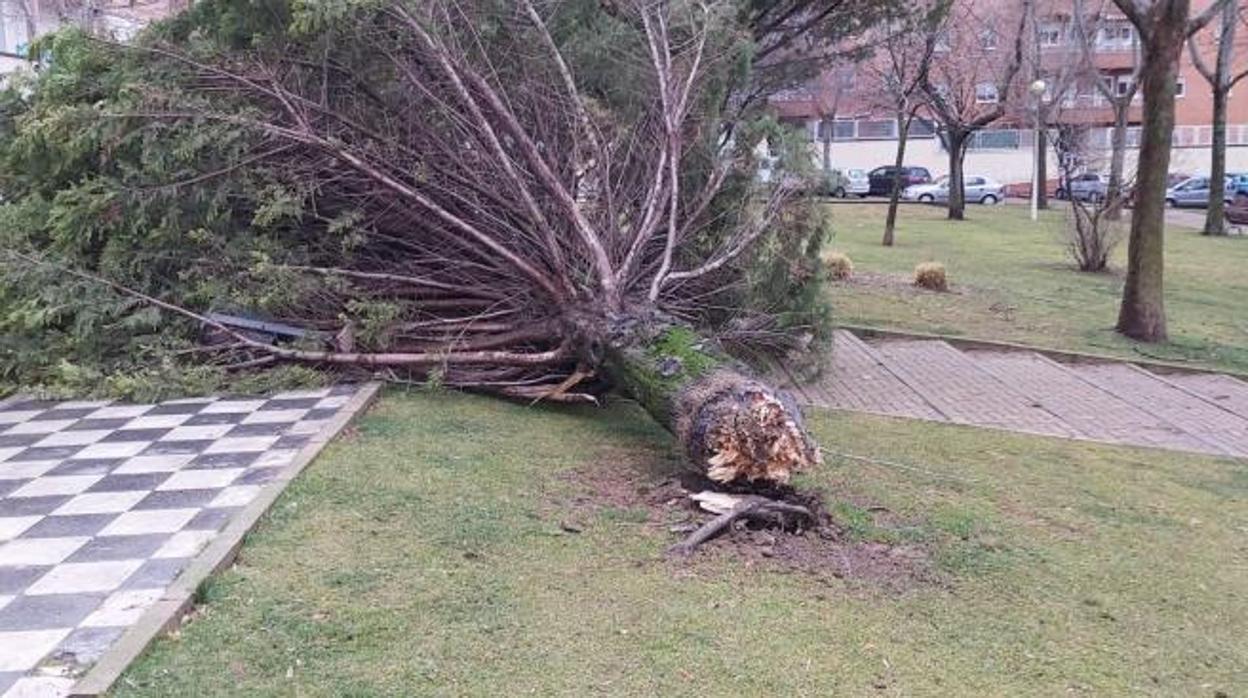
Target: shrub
{"points": [[931, 275], [840, 266]]}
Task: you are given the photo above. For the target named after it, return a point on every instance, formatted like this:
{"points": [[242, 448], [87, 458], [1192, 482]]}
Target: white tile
{"points": [[44, 427], [84, 577], [200, 479], [15, 417], [100, 503], [120, 412], [26, 469], [13, 526], [190, 401], [133, 523], [232, 406], [122, 608], [303, 394], [123, 449], [53, 485], [307, 427], [73, 438], [21, 651], [333, 402], [238, 496], [157, 421], [39, 551], [4, 601], [242, 444], [154, 464], [185, 544], [200, 433], [6, 453], [41, 687], [275, 417], [275, 459]]}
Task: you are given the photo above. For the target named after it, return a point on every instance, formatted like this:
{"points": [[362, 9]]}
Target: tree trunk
{"points": [[957, 193], [1215, 216], [1143, 312], [731, 427], [827, 151], [1118, 158], [890, 222]]}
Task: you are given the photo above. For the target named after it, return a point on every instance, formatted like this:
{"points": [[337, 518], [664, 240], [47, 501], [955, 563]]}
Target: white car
{"points": [[978, 190]]}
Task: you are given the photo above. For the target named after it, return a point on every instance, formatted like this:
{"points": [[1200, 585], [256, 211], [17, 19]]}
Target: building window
{"points": [[942, 41], [922, 128], [1116, 36], [1123, 85], [986, 93], [996, 139], [844, 130], [1180, 87], [877, 129], [988, 40], [1052, 35]]}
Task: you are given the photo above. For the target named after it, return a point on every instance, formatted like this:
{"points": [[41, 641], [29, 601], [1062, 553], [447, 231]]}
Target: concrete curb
{"points": [[1060, 355], [167, 613]]}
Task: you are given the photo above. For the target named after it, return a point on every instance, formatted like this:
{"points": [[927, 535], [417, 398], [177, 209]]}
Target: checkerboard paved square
{"points": [[103, 505]]}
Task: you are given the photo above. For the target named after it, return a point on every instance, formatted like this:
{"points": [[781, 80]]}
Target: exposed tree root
{"points": [[732, 508]]}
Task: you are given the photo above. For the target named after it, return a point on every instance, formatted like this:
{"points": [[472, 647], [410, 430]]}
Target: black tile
{"points": [[66, 526], [156, 574], [15, 580], [209, 461], [98, 424], [31, 506], [19, 440], [87, 466], [178, 408], [258, 476], [343, 389], [211, 519], [322, 413], [302, 403], [48, 611], [28, 405], [126, 435], [105, 548], [177, 448], [177, 499], [85, 646], [258, 430], [203, 420], [292, 441], [7, 486], [64, 413], [45, 453], [134, 482]]}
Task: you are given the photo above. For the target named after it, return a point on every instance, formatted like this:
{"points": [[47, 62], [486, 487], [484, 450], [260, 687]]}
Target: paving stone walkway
{"points": [[1024, 391], [103, 505]]}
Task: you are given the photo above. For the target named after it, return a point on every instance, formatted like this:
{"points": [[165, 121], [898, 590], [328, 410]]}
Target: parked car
{"points": [[1194, 191], [1237, 212], [1239, 183], [881, 179], [844, 183], [978, 189], [1089, 186]]}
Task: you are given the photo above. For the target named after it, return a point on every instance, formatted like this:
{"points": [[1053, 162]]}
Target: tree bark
{"points": [[1142, 315], [956, 140], [731, 426], [1042, 164], [1215, 215], [1118, 158], [890, 222]]}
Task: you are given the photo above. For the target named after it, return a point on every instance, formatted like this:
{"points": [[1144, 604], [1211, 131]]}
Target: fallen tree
{"points": [[539, 200]]}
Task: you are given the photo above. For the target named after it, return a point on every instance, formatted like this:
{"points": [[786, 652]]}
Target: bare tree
{"points": [[968, 83], [1062, 67], [1092, 232], [1222, 78], [895, 78], [1163, 27]]}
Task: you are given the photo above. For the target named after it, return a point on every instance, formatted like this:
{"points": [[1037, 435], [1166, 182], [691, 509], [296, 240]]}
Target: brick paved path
{"points": [[103, 505], [1027, 392]]}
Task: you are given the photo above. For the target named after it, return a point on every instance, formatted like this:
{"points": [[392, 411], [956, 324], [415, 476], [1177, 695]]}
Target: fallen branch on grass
{"points": [[732, 508]]}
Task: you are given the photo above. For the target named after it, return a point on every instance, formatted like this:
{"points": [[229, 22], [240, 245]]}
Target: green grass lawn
{"points": [[423, 555], [1013, 282]]}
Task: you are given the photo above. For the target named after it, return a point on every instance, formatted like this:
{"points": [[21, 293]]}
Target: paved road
{"points": [[1023, 391]]}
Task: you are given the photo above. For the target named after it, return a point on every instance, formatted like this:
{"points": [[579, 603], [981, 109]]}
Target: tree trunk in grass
{"points": [[731, 426], [956, 140], [890, 223]]}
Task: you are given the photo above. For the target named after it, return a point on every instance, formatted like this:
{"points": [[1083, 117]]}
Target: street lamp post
{"points": [[1037, 89]]}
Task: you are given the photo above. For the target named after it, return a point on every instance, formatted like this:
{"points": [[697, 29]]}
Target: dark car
{"points": [[881, 179]]}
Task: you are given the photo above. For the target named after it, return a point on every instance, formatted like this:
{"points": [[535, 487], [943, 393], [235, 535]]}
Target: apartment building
{"points": [[23, 20], [849, 128]]}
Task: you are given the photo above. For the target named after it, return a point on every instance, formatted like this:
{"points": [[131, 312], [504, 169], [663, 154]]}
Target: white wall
{"points": [[1005, 166]]}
